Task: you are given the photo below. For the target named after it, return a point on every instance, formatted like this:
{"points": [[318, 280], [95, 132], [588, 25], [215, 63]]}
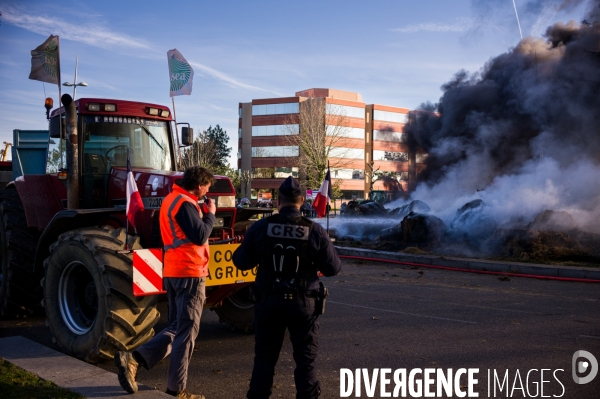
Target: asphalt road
{"points": [[384, 316]]}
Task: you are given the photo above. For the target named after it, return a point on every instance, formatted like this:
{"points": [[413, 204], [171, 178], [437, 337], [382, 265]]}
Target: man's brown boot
{"points": [[127, 371], [185, 395]]}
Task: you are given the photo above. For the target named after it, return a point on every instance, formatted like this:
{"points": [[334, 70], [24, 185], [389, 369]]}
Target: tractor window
{"points": [[56, 155], [107, 139]]}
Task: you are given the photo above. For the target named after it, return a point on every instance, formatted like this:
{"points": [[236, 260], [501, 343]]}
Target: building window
{"points": [[388, 135], [275, 130], [379, 155], [274, 173], [349, 132], [275, 151], [349, 153], [341, 173], [239, 133], [344, 110], [275, 109], [240, 112], [286, 172], [389, 116]]}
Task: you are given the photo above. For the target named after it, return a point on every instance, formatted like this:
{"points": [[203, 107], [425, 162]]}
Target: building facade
{"points": [[365, 139]]}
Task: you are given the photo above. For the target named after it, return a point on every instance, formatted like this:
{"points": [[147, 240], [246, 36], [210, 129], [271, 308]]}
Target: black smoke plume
{"points": [[522, 134]]}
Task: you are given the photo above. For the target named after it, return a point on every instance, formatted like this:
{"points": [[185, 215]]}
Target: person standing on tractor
{"points": [[289, 250], [185, 230]]}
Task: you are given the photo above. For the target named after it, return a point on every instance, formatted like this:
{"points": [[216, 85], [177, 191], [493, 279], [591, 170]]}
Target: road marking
{"points": [[589, 336], [404, 313], [408, 296]]}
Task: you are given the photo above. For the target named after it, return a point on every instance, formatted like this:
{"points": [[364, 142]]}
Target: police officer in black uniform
{"points": [[289, 250]]}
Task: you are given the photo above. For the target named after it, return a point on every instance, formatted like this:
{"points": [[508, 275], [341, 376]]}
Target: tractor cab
{"points": [[109, 132]]}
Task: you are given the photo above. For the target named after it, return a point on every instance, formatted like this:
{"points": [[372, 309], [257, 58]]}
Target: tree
{"points": [[56, 155], [263, 173], [336, 189], [202, 152], [219, 138], [233, 175], [318, 131], [245, 177]]}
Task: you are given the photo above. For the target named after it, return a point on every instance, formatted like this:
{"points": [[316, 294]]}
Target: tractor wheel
{"points": [[88, 295], [20, 291], [237, 310]]}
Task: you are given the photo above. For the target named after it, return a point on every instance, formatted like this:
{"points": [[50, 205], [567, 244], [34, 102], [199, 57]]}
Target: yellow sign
{"points": [[221, 269]]}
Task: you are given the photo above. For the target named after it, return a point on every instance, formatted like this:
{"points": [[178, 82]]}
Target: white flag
{"points": [[45, 63], [180, 74]]}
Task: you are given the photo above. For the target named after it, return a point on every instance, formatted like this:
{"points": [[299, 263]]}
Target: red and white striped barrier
{"points": [[147, 272]]}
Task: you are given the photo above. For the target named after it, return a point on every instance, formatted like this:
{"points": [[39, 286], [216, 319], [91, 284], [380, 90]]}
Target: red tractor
{"points": [[62, 222]]}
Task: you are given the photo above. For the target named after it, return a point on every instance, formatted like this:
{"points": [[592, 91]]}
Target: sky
{"points": [[396, 53]]}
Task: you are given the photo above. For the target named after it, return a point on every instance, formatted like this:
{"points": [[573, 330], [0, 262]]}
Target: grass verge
{"points": [[16, 383]]}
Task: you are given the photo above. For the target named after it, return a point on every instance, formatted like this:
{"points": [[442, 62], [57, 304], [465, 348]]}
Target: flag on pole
{"points": [[45, 62], [323, 196], [134, 200], [181, 74]]}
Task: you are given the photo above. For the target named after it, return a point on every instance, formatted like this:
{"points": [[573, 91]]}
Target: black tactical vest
{"points": [[288, 257]]}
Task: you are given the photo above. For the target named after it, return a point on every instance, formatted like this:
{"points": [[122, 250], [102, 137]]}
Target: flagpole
{"points": [[126, 201], [328, 199], [176, 132], [60, 124], [75, 79]]}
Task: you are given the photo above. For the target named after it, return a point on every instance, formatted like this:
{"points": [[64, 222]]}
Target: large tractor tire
{"points": [[88, 295], [20, 291], [237, 310]]}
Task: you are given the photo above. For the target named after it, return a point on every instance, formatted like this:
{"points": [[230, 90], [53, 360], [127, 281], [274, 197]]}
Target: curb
{"points": [[470, 265], [68, 372]]}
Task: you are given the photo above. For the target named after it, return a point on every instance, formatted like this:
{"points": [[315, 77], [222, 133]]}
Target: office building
{"points": [[366, 138]]}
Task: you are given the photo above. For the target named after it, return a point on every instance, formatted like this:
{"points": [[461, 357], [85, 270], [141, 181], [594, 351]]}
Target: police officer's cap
{"points": [[290, 188]]}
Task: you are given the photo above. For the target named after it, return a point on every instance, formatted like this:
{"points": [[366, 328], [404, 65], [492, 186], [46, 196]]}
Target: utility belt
{"points": [[290, 294]]}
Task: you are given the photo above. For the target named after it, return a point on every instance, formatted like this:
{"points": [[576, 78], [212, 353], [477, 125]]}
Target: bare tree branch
{"points": [[320, 139]]}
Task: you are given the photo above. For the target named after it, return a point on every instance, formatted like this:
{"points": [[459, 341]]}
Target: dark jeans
{"points": [[271, 318], [186, 300]]}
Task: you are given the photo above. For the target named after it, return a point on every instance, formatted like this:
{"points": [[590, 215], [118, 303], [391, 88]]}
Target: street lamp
{"points": [[82, 84]]}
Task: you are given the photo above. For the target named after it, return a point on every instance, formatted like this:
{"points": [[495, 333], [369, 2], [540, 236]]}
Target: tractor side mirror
{"points": [[55, 130], [187, 136]]}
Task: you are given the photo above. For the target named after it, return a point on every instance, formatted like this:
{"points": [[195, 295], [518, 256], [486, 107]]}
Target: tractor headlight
{"points": [[227, 201]]}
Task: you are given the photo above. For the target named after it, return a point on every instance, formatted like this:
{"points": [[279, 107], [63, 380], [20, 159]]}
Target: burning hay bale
{"points": [[472, 225], [553, 221], [548, 246], [365, 208], [551, 236], [416, 230], [416, 206]]}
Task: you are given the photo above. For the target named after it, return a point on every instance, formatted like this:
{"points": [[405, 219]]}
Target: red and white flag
{"points": [[134, 200], [323, 196]]}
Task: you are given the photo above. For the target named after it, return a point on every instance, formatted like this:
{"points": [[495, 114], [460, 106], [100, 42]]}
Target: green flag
{"points": [[45, 63], [180, 74]]}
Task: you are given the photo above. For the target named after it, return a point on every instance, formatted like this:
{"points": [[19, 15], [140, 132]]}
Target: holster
{"points": [[321, 299]]}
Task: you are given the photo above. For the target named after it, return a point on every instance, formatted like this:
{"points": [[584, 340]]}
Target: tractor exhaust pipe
{"points": [[72, 152]]}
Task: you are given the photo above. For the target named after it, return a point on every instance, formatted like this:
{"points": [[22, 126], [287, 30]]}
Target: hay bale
{"points": [[552, 221], [417, 230]]}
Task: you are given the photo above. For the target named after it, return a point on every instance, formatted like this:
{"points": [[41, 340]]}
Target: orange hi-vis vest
{"points": [[182, 258]]}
